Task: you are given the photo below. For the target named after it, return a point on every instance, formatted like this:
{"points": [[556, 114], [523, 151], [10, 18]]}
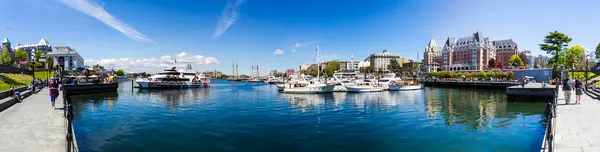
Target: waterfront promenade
{"points": [[33, 125], [577, 126]]}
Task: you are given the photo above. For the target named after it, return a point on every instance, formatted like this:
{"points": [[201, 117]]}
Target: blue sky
{"points": [[222, 31]]}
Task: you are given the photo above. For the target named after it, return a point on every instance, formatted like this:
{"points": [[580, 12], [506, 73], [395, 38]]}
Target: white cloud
{"points": [[306, 43], [278, 52], [294, 50], [96, 11], [297, 44], [228, 17], [153, 64]]}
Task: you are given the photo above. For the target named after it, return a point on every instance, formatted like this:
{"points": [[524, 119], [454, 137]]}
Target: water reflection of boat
{"points": [[176, 97]]}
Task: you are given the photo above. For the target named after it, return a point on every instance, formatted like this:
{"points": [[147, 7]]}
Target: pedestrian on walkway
{"points": [[522, 82], [14, 94], [578, 91], [53, 93], [566, 86]]}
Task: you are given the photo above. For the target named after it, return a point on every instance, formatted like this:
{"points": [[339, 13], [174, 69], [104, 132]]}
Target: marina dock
{"points": [[33, 125], [531, 91]]}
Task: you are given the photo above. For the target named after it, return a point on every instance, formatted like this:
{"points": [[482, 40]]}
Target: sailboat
{"points": [[312, 86]]}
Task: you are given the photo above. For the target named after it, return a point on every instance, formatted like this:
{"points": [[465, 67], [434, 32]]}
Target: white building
{"points": [[31, 49], [72, 60], [380, 61]]}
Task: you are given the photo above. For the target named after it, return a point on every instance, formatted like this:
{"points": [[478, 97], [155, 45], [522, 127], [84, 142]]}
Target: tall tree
{"points": [[332, 67], [598, 51], [49, 62], [574, 54], [554, 43], [515, 61], [38, 55], [394, 66], [6, 56], [21, 55], [492, 63]]}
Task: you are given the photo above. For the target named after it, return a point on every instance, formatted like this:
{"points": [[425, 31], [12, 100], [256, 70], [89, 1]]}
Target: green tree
{"points": [[492, 63], [49, 62], [574, 54], [21, 55], [394, 66], [524, 58], [515, 61], [598, 51], [371, 69], [120, 72], [332, 67], [6, 56], [554, 43], [38, 55]]}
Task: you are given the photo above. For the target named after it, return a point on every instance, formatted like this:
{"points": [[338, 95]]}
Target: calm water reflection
{"points": [[237, 116]]}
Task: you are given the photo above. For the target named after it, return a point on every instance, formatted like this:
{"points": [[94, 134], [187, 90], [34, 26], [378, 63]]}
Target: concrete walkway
{"points": [[32, 125], [577, 126]]}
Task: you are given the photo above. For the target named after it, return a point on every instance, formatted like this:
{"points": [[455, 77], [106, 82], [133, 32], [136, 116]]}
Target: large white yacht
{"points": [[363, 87], [171, 78]]}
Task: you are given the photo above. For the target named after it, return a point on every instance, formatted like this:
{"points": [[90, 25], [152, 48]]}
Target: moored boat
{"points": [[171, 78], [363, 87], [405, 86]]}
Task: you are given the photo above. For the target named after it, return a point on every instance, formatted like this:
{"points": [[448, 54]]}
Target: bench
{"points": [[7, 102]]}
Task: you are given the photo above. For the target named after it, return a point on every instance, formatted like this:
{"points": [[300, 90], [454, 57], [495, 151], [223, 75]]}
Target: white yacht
{"points": [[363, 87], [171, 78], [313, 86], [274, 80]]}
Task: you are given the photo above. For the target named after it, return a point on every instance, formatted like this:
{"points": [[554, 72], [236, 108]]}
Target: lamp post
{"points": [[586, 68]]}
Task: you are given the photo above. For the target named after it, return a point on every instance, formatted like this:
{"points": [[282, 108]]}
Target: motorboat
{"points": [[274, 80], [405, 86], [171, 78], [363, 87], [310, 87]]}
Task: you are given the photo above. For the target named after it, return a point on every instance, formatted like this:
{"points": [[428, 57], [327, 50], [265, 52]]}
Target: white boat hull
{"points": [[280, 87], [404, 88], [339, 88], [310, 89], [187, 84], [363, 89]]}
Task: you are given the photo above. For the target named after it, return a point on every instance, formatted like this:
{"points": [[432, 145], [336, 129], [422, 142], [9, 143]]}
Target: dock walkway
{"points": [[33, 125], [577, 126]]}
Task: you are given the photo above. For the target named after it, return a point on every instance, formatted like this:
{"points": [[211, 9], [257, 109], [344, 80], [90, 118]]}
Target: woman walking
{"points": [[578, 91], [53, 92]]}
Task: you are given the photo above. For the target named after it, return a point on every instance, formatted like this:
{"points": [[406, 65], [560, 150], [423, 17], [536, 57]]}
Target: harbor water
{"points": [[240, 116]]}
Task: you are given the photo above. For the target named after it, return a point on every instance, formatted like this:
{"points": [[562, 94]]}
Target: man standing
{"points": [[567, 87]]}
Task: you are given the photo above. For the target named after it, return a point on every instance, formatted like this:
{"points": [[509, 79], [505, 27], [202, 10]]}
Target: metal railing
{"points": [[68, 114], [548, 142]]}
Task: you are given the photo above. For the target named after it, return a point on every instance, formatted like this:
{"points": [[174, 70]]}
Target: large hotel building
{"points": [[468, 53]]}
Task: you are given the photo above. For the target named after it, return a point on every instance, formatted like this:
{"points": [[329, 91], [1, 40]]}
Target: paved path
{"points": [[577, 126], [33, 126]]}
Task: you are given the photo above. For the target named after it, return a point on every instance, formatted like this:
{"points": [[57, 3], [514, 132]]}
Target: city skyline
{"points": [[280, 35]]}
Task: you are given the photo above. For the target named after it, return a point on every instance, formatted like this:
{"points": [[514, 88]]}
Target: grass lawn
{"points": [[43, 75], [574, 75], [17, 80]]}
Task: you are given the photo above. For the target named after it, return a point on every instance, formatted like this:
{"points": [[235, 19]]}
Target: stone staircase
{"points": [[594, 93]]}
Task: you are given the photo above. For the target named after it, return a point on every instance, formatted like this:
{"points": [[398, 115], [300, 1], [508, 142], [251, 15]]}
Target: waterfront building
{"points": [[303, 67], [364, 64], [348, 66], [467, 53], [213, 74], [6, 44], [432, 57], [290, 72], [31, 49], [72, 60], [380, 61], [504, 50]]}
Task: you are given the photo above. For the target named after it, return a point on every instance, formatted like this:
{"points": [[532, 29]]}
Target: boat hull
{"points": [[363, 89], [339, 88], [310, 89], [405, 88], [165, 85]]}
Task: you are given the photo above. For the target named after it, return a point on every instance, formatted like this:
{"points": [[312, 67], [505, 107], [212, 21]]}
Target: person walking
{"points": [[53, 93], [578, 91], [567, 87], [522, 82]]}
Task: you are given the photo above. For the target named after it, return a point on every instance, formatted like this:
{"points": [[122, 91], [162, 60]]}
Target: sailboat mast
{"points": [[318, 64]]}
